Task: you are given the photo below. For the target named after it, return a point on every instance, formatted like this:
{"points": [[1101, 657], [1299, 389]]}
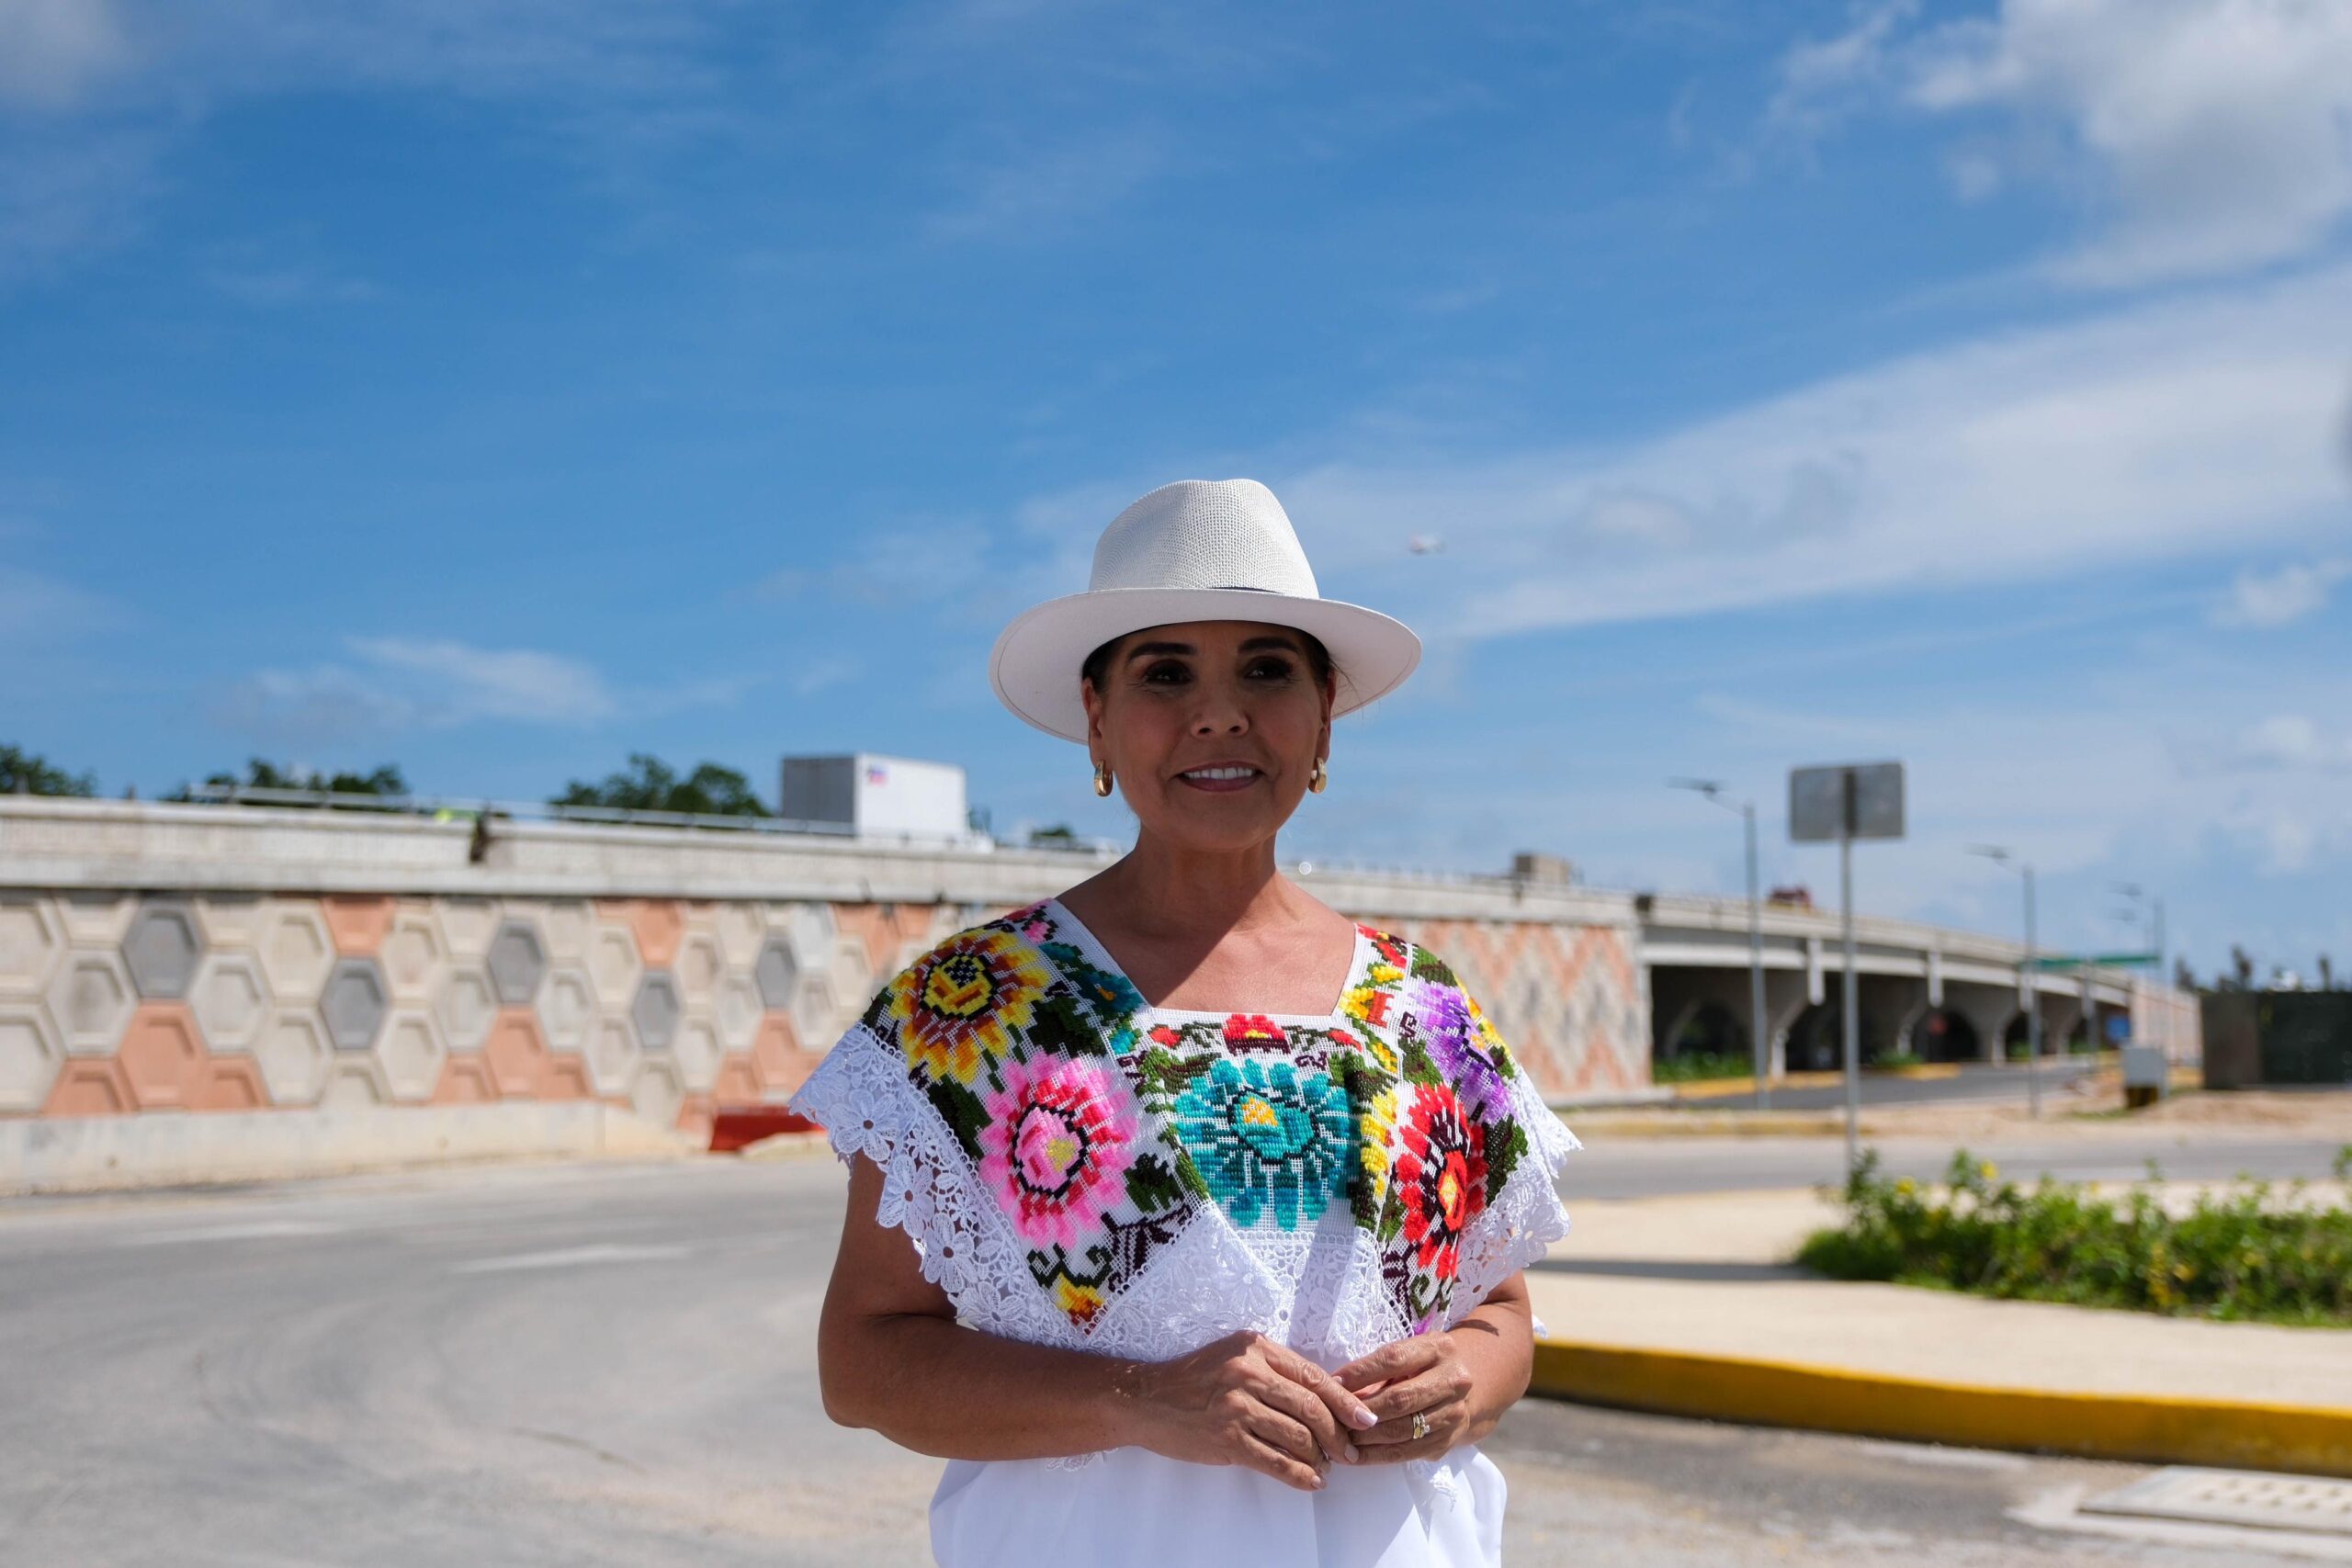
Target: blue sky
{"points": [[496, 387]]}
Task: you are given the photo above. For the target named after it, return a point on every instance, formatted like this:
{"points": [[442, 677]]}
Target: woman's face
{"points": [[1212, 729]]}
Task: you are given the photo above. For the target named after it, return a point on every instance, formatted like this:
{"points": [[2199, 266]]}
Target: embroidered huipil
{"points": [[1077, 1168]]}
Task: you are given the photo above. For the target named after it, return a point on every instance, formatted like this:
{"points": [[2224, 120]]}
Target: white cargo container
{"points": [[887, 797]]}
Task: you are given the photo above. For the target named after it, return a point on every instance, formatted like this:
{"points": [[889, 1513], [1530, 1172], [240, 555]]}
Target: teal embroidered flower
{"points": [[1268, 1141], [1113, 995]]}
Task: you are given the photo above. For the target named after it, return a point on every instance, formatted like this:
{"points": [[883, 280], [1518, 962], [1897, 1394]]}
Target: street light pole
{"points": [[1759, 1042], [2033, 1007]]}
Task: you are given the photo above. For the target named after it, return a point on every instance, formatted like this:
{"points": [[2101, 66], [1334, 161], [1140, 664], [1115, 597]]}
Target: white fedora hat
{"points": [[1195, 550]]}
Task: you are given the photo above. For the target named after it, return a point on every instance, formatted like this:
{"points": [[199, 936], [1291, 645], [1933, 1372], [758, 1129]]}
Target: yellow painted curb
{"points": [[1720, 1089], [2301, 1439]]}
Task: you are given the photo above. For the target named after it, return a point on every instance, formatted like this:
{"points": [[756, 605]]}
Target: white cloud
{"points": [[1043, 193], [2205, 135], [479, 683], [52, 51], [2292, 743], [2281, 597], [2168, 430]]}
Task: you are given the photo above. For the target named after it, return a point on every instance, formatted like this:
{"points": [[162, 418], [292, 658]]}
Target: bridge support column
{"points": [[1988, 1010]]}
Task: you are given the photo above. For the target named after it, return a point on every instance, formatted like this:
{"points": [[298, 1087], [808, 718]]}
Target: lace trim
{"points": [[1521, 1227], [860, 1095]]}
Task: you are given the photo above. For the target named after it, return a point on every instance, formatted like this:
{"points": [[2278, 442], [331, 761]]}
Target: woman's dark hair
{"points": [[1318, 659]]}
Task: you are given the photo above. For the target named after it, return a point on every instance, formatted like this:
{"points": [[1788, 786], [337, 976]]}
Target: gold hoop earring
{"points": [[1102, 778], [1319, 778]]}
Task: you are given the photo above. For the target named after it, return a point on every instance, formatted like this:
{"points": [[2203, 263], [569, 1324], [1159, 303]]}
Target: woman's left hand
{"points": [[1425, 1375]]}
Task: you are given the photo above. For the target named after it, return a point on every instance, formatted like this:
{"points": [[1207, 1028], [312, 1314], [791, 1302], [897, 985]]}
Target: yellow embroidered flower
{"points": [[1373, 1131], [959, 1006], [1384, 974], [1082, 1303]]}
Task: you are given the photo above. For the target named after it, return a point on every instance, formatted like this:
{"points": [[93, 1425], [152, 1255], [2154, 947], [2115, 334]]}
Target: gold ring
{"points": [[1420, 1424]]}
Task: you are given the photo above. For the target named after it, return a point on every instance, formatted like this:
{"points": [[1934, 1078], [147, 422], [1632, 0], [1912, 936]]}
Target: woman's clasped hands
{"points": [[1246, 1399]]}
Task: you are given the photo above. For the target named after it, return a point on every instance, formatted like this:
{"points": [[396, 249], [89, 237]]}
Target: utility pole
{"points": [[2029, 975], [1759, 1040]]}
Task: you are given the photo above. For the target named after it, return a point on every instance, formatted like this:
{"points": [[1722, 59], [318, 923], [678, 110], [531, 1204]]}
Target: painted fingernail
{"points": [[1365, 1417], [1349, 1455]]}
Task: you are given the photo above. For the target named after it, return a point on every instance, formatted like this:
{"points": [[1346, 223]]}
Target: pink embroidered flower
{"points": [[1057, 1140]]}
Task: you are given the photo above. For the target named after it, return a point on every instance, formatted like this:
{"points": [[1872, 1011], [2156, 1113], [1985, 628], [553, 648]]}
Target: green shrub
{"points": [[1695, 1067], [2244, 1252], [1898, 1059]]}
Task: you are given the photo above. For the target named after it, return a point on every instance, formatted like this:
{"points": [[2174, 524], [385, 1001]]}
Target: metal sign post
{"points": [[1846, 803]]}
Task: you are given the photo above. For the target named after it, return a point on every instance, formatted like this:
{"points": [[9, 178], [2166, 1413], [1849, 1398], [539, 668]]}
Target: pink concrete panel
{"points": [[464, 1080], [566, 1079], [162, 1057], [358, 923], [660, 924], [516, 1055], [738, 1084], [229, 1083], [778, 1064], [696, 1115], [85, 1088]]}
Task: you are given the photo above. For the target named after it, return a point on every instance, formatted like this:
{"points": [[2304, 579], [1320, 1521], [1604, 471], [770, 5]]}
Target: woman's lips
{"points": [[1220, 778]]}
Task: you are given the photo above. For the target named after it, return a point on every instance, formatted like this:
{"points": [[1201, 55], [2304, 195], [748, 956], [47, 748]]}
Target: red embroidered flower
{"points": [[1254, 1030], [1391, 951], [1441, 1176], [1345, 1040], [1162, 1035]]}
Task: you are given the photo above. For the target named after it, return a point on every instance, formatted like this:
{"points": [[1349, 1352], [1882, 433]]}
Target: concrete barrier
{"points": [[103, 1153]]}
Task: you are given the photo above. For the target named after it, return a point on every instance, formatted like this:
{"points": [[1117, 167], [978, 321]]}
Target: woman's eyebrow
{"points": [[1287, 645], [1145, 649]]}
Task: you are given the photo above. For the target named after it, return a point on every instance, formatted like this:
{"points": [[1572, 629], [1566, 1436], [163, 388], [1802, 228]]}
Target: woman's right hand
{"points": [[1246, 1399]]}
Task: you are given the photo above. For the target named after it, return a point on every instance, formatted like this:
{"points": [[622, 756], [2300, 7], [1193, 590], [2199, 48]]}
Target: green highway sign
{"points": [[2097, 960]]}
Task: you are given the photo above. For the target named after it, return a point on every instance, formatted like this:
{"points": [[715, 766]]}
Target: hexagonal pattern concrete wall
{"points": [[231, 1000], [355, 1002], [90, 1001], [31, 945], [117, 1003], [30, 1056], [517, 961], [161, 949], [657, 1009]]}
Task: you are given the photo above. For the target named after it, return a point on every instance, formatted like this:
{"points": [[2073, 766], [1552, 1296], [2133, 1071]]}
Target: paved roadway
{"points": [[584, 1365]]}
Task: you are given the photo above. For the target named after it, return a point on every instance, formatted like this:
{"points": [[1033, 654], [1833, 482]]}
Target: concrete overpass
{"points": [[1940, 994]]}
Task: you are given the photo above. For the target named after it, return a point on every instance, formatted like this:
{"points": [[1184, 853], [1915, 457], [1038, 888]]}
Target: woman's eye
{"points": [[1270, 670], [1167, 674]]}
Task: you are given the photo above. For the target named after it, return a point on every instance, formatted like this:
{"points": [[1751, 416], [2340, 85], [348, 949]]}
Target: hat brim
{"points": [[1036, 665]]}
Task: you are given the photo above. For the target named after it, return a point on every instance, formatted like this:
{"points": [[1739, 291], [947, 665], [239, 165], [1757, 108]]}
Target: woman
{"points": [[1217, 1201]]}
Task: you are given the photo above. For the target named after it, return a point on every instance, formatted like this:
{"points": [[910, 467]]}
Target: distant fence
{"points": [[2277, 1037]]}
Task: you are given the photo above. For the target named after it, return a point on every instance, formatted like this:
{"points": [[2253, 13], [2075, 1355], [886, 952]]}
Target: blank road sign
{"points": [[1862, 800]]}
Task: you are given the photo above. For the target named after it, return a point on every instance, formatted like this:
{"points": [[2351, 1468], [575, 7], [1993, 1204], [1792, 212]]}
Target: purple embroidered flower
{"points": [[1455, 1044]]}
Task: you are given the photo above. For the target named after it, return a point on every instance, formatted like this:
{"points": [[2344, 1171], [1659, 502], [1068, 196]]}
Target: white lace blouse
{"points": [[1081, 1170]]}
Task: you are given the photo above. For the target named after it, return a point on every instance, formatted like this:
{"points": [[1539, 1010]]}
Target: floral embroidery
{"points": [[1248, 1031], [1457, 1046], [1375, 1127], [1442, 1172], [1057, 1139], [958, 1007], [1267, 1140], [1102, 1131]]}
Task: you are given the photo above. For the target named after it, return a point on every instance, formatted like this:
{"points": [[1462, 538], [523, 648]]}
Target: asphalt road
{"points": [[613, 1365]]}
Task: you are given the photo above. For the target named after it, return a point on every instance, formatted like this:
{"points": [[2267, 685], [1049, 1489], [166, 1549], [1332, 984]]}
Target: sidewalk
{"points": [[1687, 1305]]}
